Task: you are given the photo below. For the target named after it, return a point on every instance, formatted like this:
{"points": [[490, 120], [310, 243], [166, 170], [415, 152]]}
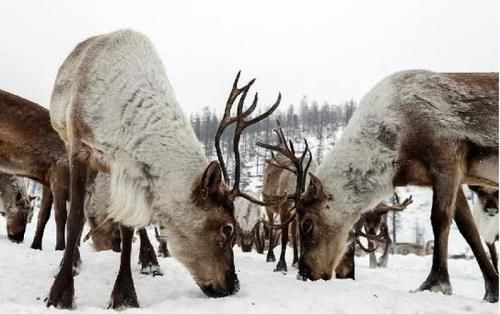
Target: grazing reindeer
{"points": [[486, 218], [413, 128], [249, 217], [114, 107], [15, 206], [376, 231], [375, 225], [106, 233], [278, 180], [29, 147]]}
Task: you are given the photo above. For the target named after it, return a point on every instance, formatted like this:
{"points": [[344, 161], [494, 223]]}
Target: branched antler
{"points": [[397, 206], [241, 125], [286, 148]]}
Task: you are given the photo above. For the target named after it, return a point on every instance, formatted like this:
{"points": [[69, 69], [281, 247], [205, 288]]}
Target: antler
{"points": [[287, 149], [397, 206], [241, 124]]}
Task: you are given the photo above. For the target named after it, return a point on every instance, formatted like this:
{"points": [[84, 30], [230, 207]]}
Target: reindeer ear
{"points": [[211, 180], [314, 189]]}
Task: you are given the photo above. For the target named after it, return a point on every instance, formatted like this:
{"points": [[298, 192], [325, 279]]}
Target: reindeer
{"points": [[279, 179], [114, 107], [249, 217], [106, 233], [486, 217], [15, 205], [421, 128], [376, 231], [29, 147], [375, 225]]}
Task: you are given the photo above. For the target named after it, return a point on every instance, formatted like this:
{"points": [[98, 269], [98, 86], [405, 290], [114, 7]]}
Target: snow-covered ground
{"points": [[26, 276]]}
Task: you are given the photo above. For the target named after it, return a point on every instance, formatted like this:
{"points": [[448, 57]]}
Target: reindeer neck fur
{"points": [[357, 172], [113, 95]]}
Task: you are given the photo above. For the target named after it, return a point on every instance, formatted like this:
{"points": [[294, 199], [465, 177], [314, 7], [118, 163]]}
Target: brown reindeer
{"points": [[15, 205], [421, 128], [115, 109], [278, 180], [29, 147]]}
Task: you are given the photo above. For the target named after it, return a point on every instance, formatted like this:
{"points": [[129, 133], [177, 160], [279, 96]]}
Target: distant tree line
{"points": [[318, 122]]}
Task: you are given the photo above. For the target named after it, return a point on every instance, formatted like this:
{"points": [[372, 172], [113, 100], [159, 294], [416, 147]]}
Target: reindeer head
{"points": [[18, 216], [488, 199], [212, 265], [323, 242]]}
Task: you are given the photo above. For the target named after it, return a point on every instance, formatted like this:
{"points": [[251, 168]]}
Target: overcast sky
{"points": [[326, 50]]}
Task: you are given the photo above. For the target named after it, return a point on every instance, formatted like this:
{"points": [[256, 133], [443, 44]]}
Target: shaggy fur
{"points": [[147, 123], [415, 127], [358, 172], [114, 107]]}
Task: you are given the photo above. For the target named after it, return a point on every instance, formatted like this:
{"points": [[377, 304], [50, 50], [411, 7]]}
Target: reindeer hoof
{"points": [[61, 293], [163, 251], [149, 263], [60, 247], [437, 283], [270, 259], [491, 294], [154, 270], [36, 246], [123, 300], [295, 264], [281, 266], [123, 295]]}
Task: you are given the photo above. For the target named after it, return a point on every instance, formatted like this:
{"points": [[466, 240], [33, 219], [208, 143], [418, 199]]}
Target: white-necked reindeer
{"points": [[114, 107], [413, 128], [250, 217], [485, 214], [106, 233]]}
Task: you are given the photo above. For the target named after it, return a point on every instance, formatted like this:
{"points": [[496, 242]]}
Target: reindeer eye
{"points": [[307, 226], [227, 231]]}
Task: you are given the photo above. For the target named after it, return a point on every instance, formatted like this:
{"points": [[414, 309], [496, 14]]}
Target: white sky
{"points": [[327, 50]]}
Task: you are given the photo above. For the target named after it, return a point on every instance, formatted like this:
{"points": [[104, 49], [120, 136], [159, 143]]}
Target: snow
{"points": [[28, 274]]}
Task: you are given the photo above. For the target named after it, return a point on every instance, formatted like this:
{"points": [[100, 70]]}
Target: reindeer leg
{"points": [[270, 250], [60, 215], [295, 242], [467, 227], [493, 254], [147, 256], [281, 266], [162, 248], [43, 217], [123, 295], [385, 257], [443, 204], [373, 257], [258, 240], [62, 291]]}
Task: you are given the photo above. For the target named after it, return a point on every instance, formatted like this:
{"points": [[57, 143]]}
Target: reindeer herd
{"points": [[117, 146]]}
